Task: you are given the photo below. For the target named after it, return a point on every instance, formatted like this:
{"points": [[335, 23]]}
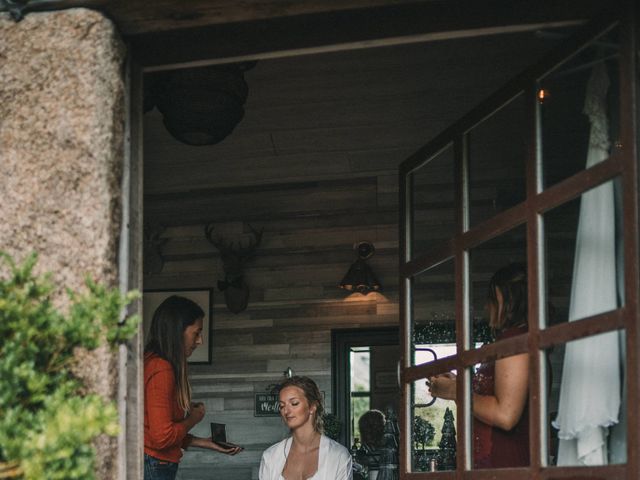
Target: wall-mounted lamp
{"points": [[360, 278]]}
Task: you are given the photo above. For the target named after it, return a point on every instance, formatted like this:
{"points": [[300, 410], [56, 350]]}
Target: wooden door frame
{"points": [[224, 42], [341, 342], [622, 163]]}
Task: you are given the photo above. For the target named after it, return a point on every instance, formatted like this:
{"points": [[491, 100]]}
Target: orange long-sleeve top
{"points": [[164, 433]]}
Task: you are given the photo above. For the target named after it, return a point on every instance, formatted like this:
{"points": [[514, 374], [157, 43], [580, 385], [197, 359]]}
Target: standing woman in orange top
{"points": [[169, 414]]}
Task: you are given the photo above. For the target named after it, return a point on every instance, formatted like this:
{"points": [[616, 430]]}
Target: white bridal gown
{"points": [[590, 392]]}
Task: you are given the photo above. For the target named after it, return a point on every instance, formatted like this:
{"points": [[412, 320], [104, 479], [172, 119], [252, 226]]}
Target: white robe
{"points": [[334, 461]]}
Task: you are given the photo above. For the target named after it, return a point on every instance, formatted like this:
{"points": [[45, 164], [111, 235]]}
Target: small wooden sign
{"points": [[266, 405]]}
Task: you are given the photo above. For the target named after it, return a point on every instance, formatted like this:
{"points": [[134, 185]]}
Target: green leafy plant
{"points": [[423, 432], [332, 425], [47, 419]]}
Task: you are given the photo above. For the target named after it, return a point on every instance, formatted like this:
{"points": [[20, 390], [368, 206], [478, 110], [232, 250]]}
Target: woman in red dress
{"points": [[500, 388]]}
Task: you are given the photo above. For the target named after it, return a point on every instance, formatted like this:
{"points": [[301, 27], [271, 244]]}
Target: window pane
{"points": [[433, 431], [584, 255], [359, 406], [432, 204], [433, 307], [360, 370], [500, 262], [586, 407], [497, 157], [579, 105], [500, 435]]}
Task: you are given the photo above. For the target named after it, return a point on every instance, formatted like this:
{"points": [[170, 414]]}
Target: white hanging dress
{"points": [[590, 386]]}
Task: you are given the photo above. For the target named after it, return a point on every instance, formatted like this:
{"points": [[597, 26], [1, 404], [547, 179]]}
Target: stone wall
{"points": [[61, 149]]}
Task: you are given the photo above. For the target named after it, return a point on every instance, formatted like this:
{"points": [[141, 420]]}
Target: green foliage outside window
{"points": [[359, 406], [423, 432], [332, 425], [47, 419]]}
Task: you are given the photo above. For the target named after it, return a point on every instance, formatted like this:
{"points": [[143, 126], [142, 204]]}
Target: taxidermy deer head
{"points": [[153, 261], [236, 291]]}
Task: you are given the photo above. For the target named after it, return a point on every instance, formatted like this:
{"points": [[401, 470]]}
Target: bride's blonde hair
{"points": [[312, 395]]}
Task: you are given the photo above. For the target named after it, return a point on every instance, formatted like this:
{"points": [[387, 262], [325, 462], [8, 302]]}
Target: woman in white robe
{"points": [[307, 454]]}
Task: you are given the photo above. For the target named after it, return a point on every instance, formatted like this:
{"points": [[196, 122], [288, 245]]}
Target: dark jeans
{"points": [[155, 469]]}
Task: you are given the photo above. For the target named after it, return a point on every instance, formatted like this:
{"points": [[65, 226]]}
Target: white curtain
{"points": [[590, 392]]}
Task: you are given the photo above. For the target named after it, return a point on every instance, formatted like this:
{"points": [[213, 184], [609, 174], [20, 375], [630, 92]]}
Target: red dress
{"points": [[492, 446]]}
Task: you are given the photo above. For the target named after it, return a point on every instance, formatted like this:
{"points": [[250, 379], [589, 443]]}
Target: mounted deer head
{"points": [[236, 291]]}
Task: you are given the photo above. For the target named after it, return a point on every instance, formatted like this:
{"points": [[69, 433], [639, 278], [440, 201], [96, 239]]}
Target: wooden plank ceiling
{"points": [[137, 17], [177, 32]]}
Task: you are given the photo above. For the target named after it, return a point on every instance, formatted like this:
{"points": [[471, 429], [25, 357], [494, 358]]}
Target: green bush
{"points": [[47, 420], [423, 432], [332, 425]]}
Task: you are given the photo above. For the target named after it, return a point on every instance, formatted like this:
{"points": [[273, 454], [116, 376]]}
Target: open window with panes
{"points": [[542, 174]]}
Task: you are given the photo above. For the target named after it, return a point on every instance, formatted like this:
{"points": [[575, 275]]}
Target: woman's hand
{"points": [[443, 386], [211, 445], [197, 411], [196, 414]]}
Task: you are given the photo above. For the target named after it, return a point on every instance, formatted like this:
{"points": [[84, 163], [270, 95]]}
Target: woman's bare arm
{"points": [[505, 407]]}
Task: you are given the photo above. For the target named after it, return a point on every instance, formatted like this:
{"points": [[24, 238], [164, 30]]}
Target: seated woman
{"points": [[307, 453], [371, 426], [500, 388]]}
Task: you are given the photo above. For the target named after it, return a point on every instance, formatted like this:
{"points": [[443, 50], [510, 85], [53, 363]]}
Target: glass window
{"points": [[584, 255], [497, 154], [433, 308], [586, 409], [500, 262], [433, 430], [360, 386], [432, 203], [579, 106]]}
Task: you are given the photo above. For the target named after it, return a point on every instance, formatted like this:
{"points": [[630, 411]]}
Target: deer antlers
{"points": [[227, 248], [236, 290]]}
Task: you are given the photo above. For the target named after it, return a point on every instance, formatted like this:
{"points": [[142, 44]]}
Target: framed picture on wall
{"points": [[151, 299]]}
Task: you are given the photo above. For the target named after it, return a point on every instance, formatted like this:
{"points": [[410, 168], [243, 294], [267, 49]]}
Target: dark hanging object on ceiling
{"points": [[200, 106]]}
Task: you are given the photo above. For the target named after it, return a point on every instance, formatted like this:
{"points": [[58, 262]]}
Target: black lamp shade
{"points": [[360, 278]]}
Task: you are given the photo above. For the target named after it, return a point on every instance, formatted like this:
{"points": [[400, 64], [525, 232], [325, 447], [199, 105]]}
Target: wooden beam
{"points": [[159, 43], [136, 17]]}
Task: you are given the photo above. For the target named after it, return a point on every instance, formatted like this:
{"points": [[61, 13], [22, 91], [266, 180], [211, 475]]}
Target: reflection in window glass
{"points": [[433, 306], [579, 106], [433, 431], [497, 162], [586, 404], [585, 265], [432, 203]]}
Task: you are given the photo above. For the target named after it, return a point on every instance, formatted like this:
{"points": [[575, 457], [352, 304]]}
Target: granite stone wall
{"points": [[61, 150]]}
